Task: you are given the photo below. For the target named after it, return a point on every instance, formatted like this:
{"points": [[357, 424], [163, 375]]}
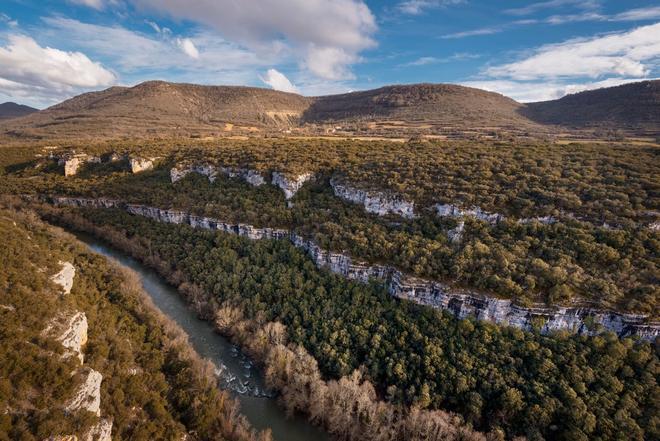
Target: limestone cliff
{"points": [[379, 203], [290, 186], [75, 334], [252, 177], [64, 277], [463, 303], [88, 395]]}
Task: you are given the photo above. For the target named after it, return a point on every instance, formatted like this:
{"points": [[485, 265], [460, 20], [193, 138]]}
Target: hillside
{"points": [[629, 106], [12, 110], [446, 104], [157, 108]]}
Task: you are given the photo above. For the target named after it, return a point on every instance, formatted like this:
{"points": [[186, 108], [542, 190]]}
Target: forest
{"points": [[154, 385], [500, 379], [569, 262]]}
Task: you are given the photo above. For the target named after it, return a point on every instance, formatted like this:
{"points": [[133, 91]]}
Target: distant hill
{"points": [[447, 104], [161, 108], [629, 106], [13, 110], [157, 108]]}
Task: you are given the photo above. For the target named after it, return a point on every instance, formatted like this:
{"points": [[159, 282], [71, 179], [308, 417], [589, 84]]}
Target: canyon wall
{"points": [[379, 203], [461, 302]]}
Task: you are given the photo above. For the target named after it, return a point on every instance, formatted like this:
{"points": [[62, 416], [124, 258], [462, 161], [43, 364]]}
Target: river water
{"points": [[235, 370]]}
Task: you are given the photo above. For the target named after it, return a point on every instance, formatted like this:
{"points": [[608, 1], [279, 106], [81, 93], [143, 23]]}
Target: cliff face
{"points": [[64, 277], [74, 335], [138, 165], [374, 202], [462, 303], [290, 186], [252, 177], [88, 395]]}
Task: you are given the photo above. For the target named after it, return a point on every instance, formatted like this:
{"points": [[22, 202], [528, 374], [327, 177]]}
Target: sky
{"points": [[529, 50]]}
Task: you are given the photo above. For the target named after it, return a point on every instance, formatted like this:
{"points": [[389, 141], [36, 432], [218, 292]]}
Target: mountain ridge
{"points": [[14, 110], [163, 108]]}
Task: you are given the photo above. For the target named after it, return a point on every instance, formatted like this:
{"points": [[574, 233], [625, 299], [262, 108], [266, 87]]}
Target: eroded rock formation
{"points": [[138, 165], [379, 203], [65, 276], [73, 335], [290, 186], [462, 303], [88, 395], [252, 177]]}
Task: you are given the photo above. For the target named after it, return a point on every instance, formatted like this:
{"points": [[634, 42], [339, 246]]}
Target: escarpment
{"points": [[250, 176], [379, 203], [290, 186], [461, 302]]}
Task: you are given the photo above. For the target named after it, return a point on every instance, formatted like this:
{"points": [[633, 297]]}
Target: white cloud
{"points": [[278, 81], [619, 54], [551, 4], [4, 18], [188, 47], [543, 90], [417, 7], [424, 61], [309, 29], [43, 75], [474, 32], [25, 62], [96, 4], [330, 63], [140, 52], [650, 13]]}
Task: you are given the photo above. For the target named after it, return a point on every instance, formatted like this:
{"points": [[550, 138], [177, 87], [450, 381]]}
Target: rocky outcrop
{"points": [[101, 431], [138, 165], [290, 186], [88, 395], [72, 162], [70, 331], [450, 210], [374, 202], [463, 303], [74, 334], [65, 276], [252, 177], [180, 172]]}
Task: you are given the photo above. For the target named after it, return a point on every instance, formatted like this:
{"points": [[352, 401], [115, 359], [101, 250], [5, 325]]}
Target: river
{"points": [[235, 371]]}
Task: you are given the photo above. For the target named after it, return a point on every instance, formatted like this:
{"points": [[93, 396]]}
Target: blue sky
{"points": [[530, 50]]}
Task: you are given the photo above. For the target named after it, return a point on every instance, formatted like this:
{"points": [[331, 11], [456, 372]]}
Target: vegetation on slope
{"points": [[544, 387], [154, 386], [568, 261]]}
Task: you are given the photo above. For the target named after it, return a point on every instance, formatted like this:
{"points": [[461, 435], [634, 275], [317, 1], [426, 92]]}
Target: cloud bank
{"points": [[325, 36], [26, 67]]}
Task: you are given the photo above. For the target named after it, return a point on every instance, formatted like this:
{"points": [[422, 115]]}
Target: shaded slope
{"points": [[12, 110], [629, 106]]}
